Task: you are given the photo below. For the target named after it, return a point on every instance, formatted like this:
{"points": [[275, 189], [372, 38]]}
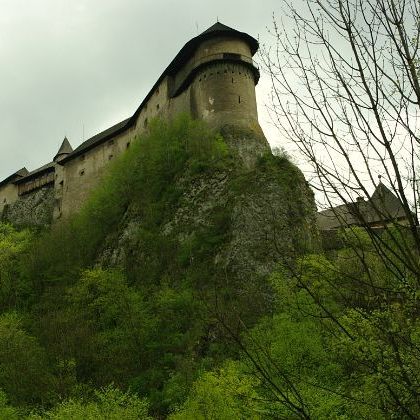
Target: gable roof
{"points": [[49, 167], [12, 178], [383, 206]]}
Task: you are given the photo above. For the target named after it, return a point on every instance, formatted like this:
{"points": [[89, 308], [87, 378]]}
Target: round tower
{"points": [[215, 70], [223, 89]]}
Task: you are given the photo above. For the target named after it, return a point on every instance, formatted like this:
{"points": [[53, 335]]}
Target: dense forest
{"points": [[156, 328]]}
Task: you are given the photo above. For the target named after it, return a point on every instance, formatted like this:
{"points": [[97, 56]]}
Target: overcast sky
{"points": [[75, 67]]}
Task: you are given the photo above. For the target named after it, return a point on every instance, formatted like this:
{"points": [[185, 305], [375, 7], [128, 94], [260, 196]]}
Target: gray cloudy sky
{"points": [[70, 67]]}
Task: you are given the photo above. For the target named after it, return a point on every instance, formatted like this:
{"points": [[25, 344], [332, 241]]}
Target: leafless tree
{"points": [[346, 92]]}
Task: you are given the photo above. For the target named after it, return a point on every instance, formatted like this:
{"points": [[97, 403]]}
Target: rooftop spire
{"points": [[64, 150]]}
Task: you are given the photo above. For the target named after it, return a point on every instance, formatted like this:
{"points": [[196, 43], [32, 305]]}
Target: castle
{"points": [[212, 78]]}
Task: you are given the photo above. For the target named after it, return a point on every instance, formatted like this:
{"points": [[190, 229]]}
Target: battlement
{"points": [[212, 78]]}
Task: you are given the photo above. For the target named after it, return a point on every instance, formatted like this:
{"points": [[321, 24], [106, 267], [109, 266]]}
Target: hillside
{"points": [[181, 231], [191, 286]]}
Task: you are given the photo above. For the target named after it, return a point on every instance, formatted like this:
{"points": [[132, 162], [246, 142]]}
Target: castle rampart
{"points": [[212, 78]]}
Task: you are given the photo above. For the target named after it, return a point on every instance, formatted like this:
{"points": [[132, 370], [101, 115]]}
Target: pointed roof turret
{"points": [[64, 150]]}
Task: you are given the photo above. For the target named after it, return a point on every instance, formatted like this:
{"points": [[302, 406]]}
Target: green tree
{"points": [[107, 404], [25, 373], [226, 393], [6, 411], [114, 324], [14, 287]]}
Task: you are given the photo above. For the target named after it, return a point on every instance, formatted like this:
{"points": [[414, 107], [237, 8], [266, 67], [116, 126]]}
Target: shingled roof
{"points": [[49, 167], [382, 207], [65, 148], [12, 178], [97, 140]]}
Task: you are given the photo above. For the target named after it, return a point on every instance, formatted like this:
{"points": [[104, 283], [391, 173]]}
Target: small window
{"points": [[232, 79], [82, 172], [128, 145], [239, 99], [61, 183], [157, 106]]}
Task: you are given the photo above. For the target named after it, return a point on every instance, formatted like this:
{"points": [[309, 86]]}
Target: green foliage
{"points": [[112, 322], [227, 393], [332, 336], [14, 287], [143, 179], [6, 411], [107, 404], [24, 369], [326, 352]]}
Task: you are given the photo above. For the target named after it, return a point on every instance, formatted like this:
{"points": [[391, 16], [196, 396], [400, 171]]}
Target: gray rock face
{"points": [[268, 217], [33, 209]]}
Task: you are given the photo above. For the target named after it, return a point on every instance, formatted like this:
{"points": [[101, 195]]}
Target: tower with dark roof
{"points": [[64, 150], [218, 69]]}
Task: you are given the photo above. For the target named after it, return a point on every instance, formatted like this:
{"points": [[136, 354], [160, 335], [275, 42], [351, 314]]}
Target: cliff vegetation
{"points": [[191, 286]]}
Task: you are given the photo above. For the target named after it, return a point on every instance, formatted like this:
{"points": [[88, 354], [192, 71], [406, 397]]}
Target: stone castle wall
{"points": [[8, 196], [32, 209], [215, 84]]}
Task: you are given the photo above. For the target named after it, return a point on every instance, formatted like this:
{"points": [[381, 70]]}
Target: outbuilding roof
{"points": [[383, 206]]}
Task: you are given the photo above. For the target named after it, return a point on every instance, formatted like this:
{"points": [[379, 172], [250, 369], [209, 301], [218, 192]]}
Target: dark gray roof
{"points": [[180, 59], [388, 203], [383, 206], [49, 167], [97, 139], [220, 29], [64, 149], [11, 178]]}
